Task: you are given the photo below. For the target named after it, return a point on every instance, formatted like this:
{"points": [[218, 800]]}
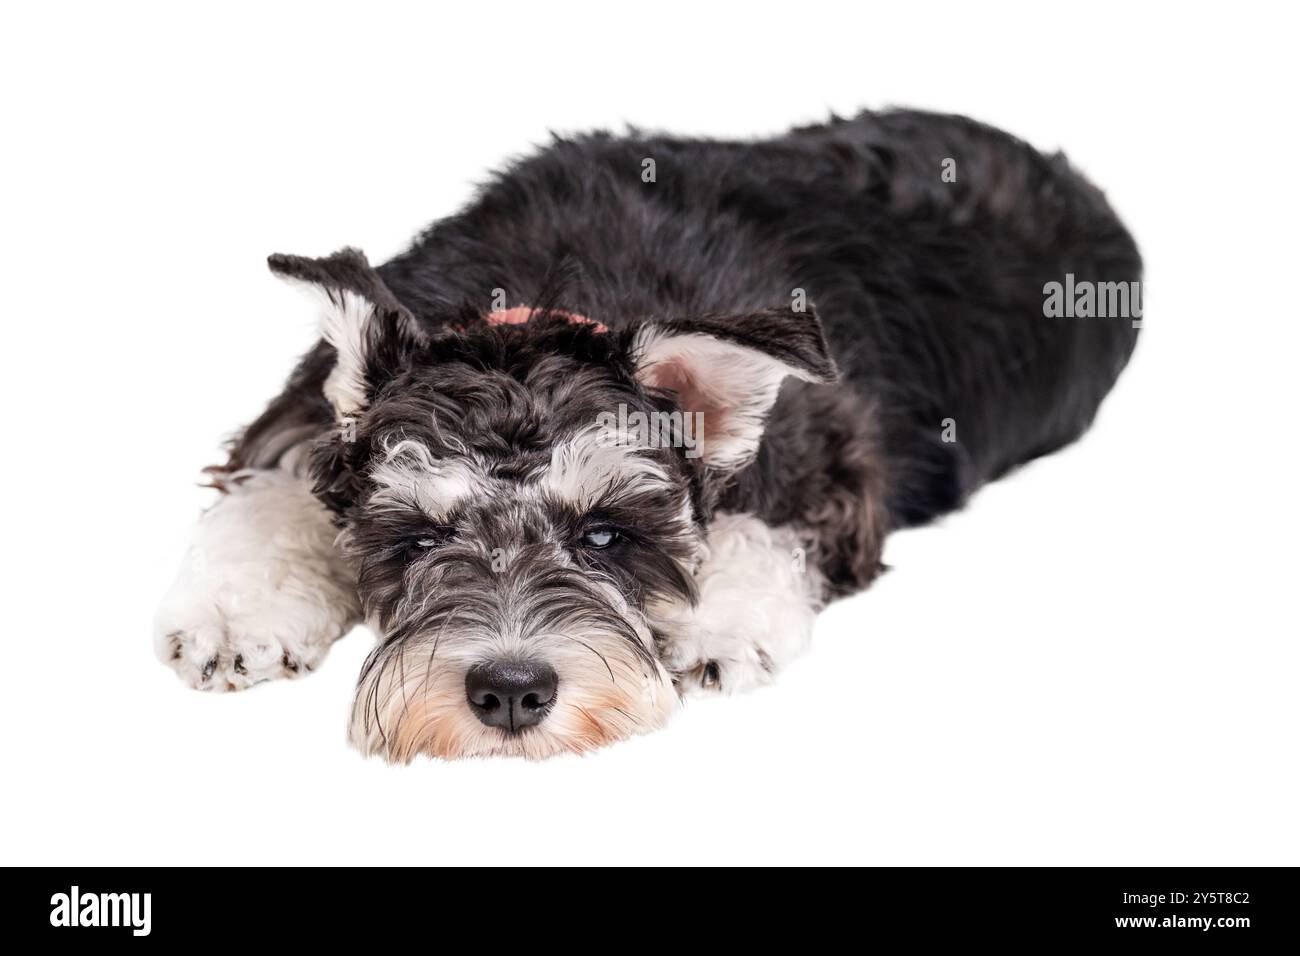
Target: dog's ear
{"points": [[359, 315], [729, 369]]}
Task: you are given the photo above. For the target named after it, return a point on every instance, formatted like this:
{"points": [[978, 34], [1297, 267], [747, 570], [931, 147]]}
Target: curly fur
{"points": [[456, 455]]}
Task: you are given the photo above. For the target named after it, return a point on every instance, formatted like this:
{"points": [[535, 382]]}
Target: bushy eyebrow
{"points": [[409, 476], [594, 464]]}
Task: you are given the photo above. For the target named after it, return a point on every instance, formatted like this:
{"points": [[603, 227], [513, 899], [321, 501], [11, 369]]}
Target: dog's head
{"points": [[524, 500]]}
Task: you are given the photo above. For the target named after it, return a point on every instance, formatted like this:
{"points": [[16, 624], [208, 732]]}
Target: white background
{"points": [[1095, 663]]}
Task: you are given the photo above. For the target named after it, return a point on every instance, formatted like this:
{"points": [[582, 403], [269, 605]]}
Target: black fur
{"points": [[930, 295]]}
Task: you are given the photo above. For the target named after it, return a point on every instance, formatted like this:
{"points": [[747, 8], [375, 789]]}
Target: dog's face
{"points": [[510, 548], [524, 504]]}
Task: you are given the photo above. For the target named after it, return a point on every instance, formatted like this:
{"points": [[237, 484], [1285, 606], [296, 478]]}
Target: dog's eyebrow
{"points": [[595, 461], [410, 476]]}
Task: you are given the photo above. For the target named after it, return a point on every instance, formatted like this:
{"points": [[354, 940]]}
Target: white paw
{"points": [[759, 597], [713, 663], [235, 627], [262, 593]]}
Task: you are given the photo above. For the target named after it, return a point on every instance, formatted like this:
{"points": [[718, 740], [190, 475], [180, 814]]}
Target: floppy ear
{"points": [[729, 369], [358, 312]]}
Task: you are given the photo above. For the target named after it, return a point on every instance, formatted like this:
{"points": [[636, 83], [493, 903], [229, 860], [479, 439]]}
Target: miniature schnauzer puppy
{"points": [[587, 447]]}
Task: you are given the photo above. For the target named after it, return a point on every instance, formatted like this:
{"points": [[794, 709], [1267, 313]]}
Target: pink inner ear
{"points": [[730, 387], [693, 395]]}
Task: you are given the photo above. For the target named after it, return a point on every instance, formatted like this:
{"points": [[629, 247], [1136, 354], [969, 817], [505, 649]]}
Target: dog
{"points": [[617, 431]]}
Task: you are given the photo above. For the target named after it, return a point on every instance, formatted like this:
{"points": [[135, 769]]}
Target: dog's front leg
{"points": [[759, 594], [263, 591]]}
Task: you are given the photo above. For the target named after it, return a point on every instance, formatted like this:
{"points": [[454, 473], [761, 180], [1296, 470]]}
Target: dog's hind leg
{"points": [[263, 590], [760, 592]]}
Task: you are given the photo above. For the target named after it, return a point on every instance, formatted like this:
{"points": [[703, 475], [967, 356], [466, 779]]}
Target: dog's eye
{"points": [[418, 544], [413, 548], [599, 539]]}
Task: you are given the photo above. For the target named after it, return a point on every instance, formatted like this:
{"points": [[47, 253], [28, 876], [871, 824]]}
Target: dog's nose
{"points": [[511, 695]]}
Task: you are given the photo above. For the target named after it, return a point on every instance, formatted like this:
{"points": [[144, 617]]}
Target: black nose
{"points": [[511, 695]]}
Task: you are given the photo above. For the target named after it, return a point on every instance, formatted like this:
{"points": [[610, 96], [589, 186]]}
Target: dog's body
{"points": [[544, 584]]}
